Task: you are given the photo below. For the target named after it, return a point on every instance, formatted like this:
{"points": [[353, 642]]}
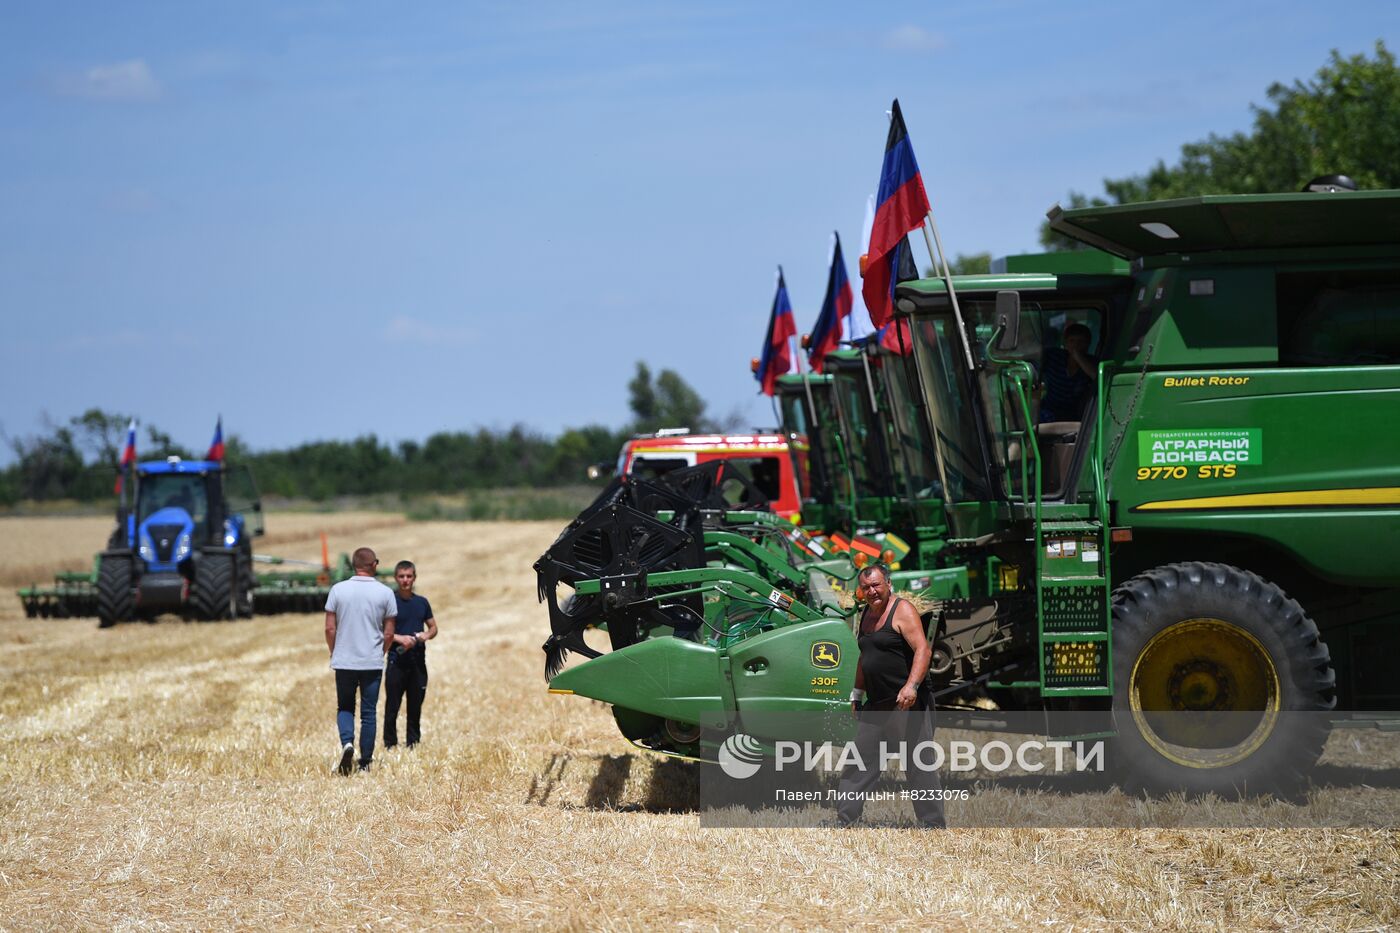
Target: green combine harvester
{"points": [[1206, 538], [185, 547]]}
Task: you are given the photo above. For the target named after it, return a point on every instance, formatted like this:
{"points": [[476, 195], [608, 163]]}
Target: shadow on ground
{"points": [[671, 786]]}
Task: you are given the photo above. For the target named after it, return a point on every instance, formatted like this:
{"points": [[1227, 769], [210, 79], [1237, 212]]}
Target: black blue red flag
{"points": [[216, 446], [836, 311], [901, 205], [895, 336], [128, 455], [776, 359]]}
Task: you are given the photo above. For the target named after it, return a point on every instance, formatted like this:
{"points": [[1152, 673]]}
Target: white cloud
{"points": [[911, 38], [404, 329], [123, 81]]}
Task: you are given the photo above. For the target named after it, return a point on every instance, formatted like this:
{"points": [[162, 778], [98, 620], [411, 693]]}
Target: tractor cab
{"points": [[172, 515], [183, 505]]}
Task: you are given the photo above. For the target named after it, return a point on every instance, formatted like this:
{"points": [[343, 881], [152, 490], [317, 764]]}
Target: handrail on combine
{"points": [[1020, 374]]}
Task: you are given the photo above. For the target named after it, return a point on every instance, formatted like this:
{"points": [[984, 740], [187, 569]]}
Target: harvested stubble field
{"points": [[178, 776]]}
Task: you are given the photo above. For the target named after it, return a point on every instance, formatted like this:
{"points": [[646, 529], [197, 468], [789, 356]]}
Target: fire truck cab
{"points": [[777, 468]]}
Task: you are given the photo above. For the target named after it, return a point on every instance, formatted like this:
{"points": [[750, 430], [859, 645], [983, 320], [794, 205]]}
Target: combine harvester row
{"points": [[1127, 558]]}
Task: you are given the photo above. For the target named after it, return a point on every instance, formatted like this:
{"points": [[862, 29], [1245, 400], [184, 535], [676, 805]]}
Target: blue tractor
{"points": [[185, 546]]}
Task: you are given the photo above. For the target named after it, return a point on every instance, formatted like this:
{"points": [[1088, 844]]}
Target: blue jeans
{"points": [[346, 684]]}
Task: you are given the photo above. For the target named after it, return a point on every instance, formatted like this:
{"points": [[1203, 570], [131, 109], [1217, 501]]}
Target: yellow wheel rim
{"points": [[1204, 693]]}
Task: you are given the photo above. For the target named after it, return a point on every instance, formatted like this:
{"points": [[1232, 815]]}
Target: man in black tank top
{"points": [[889, 700]]}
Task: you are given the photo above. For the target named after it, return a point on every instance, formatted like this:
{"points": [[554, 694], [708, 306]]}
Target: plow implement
{"points": [[75, 594]]}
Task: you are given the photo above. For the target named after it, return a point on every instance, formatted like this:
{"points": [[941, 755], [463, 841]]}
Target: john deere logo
{"points": [[826, 655]]}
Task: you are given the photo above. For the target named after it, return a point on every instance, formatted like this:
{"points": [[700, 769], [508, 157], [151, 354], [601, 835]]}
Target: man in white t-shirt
{"points": [[360, 615]]}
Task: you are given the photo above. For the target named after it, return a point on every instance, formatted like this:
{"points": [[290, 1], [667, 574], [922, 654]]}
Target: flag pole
{"points": [[947, 276]]}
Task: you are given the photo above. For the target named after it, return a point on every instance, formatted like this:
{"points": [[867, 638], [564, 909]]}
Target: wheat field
{"points": [[178, 776]]}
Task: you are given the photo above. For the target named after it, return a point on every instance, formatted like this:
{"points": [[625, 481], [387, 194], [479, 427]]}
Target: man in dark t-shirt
{"points": [[407, 669], [1068, 374], [889, 701]]}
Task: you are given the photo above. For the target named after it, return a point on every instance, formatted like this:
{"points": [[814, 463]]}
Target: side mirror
{"points": [[1008, 319]]}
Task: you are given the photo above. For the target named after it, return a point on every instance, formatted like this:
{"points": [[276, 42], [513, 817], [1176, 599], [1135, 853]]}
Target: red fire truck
{"points": [[778, 468]]}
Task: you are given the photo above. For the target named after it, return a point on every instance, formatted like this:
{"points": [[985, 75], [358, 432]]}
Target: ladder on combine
{"points": [[1072, 602], [1072, 580]]}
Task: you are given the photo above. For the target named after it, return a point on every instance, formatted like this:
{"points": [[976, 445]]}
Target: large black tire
{"points": [[115, 600], [1221, 682], [247, 580], [214, 595]]}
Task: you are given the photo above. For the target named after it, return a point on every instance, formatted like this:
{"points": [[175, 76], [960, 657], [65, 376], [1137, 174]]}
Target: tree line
{"points": [[78, 459], [1345, 120]]}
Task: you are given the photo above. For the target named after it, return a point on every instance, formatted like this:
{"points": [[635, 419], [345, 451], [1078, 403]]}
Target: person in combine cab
{"points": [[407, 671], [360, 615], [889, 700], [1068, 374]]}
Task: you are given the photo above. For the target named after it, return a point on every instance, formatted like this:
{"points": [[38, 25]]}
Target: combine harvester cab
{"points": [[809, 422], [874, 486], [897, 511], [1201, 549]]}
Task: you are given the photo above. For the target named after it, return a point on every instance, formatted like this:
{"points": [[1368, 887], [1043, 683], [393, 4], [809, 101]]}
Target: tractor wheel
{"points": [[214, 596], [243, 594], [115, 600], [1221, 682]]}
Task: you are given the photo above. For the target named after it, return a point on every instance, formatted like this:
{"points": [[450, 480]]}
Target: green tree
{"points": [[48, 467], [642, 395], [1345, 120], [965, 264], [668, 401], [578, 448], [161, 445], [102, 434]]}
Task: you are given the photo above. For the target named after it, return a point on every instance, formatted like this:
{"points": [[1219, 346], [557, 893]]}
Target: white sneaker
{"points": [[347, 758]]}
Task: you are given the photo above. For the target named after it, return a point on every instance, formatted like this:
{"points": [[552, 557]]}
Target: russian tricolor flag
{"points": [[216, 446], [128, 455], [836, 310], [901, 207], [776, 359]]}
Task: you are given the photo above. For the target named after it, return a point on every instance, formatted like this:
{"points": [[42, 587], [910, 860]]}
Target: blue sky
{"points": [[328, 219]]}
